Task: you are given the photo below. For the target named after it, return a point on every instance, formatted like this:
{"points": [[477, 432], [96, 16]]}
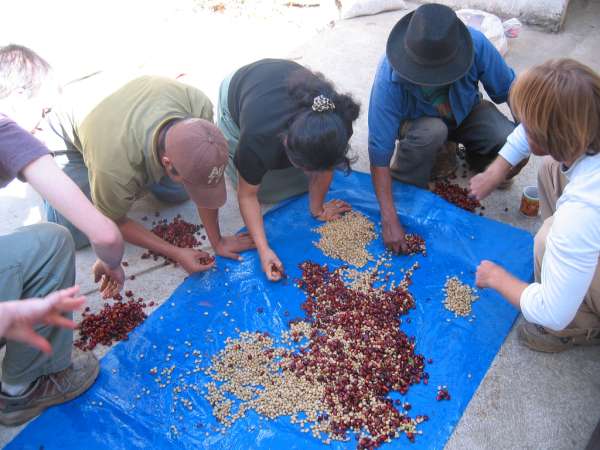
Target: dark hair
{"points": [[315, 140], [21, 68]]}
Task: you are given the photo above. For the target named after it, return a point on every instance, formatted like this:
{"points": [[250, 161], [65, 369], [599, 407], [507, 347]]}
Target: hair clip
{"points": [[322, 104]]}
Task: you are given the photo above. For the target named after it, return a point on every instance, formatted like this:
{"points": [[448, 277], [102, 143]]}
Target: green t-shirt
{"points": [[118, 138], [439, 97]]}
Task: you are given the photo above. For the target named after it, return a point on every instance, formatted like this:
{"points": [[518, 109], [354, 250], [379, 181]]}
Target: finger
{"points": [[113, 289], [273, 271], [205, 267], [246, 240], [70, 304], [64, 294], [30, 337], [109, 289], [104, 283], [274, 276], [243, 234], [60, 321], [232, 255], [97, 274], [403, 246]]}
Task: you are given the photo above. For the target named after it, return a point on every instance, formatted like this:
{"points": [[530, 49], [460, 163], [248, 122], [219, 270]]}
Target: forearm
{"points": [[210, 219], [250, 210], [136, 234], [508, 286], [318, 186], [382, 183], [6, 316], [64, 195], [499, 169]]}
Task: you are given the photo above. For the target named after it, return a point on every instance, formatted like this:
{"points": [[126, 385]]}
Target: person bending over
{"points": [[287, 129], [153, 134], [558, 104]]}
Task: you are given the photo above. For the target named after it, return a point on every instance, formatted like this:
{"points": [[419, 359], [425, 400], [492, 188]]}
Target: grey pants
{"points": [[483, 133], [276, 185], [36, 261], [166, 190]]}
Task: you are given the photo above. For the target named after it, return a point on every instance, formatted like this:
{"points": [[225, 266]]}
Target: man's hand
{"points": [[193, 260], [112, 280], [394, 236], [333, 210], [230, 246], [19, 317], [271, 265], [487, 274]]}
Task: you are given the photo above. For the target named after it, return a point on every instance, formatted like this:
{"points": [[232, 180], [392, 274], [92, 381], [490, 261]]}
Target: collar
{"points": [[578, 167], [162, 135], [153, 165]]}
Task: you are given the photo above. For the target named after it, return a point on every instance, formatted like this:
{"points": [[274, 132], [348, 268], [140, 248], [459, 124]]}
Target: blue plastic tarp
{"points": [[110, 415]]}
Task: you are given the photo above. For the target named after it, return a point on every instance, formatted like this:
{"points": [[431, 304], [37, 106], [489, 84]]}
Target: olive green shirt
{"points": [[118, 138]]}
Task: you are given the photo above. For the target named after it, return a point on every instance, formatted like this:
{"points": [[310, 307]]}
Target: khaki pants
{"points": [[551, 183], [35, 261]]}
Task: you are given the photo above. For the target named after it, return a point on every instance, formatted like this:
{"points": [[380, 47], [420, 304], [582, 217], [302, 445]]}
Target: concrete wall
{"points": [[548, 14]]}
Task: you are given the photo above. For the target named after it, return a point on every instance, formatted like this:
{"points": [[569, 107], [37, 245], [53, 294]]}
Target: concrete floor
{"points": [[527, 400]]}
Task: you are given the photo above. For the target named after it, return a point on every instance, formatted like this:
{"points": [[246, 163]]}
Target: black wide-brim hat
{"points": [[430, 46]]}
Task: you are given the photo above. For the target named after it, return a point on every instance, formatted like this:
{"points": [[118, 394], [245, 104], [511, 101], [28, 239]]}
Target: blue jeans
{"points": [[165, 190]]}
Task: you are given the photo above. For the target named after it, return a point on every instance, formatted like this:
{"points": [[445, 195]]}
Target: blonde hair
{"points": [[558, 103]]}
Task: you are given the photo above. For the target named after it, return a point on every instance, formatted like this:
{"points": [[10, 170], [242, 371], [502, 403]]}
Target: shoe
{"points": [[49, 390], [540, 339], [445, 162]]}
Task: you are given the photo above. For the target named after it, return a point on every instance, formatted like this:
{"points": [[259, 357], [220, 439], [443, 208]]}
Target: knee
{"points": [[548, 167], [499, 134], [57, 237], [539, 242], [428, 133], [436, 131]]}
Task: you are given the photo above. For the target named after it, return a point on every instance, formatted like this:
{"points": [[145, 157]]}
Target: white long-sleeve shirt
{"points": [[572, 245]]}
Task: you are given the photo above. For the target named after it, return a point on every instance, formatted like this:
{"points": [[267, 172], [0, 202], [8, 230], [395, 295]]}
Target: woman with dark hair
{"points": [[287, 129]]}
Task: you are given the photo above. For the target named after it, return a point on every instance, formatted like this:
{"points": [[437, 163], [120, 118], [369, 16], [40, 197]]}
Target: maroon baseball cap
{"points": [[198, 152]]}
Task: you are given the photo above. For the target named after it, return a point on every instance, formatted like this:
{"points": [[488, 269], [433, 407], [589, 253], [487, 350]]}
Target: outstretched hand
{"points": [[231, 246], [193, 260], [17, 318], [111, 280], [333, 210], [394, 237], [271, 265]]}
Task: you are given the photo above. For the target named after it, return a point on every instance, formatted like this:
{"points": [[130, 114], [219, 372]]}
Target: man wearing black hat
{"points": [[425, 92]]}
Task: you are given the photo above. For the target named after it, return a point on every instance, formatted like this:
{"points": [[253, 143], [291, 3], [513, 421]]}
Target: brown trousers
{"points": [[551, 183]]}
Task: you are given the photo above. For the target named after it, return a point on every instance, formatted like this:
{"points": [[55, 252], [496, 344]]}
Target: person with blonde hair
{"points": [[558, 104]]}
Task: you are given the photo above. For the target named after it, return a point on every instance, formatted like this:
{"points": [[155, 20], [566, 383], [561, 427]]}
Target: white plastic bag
{"points": [[489, 24], [512, 27], [355, 8]]}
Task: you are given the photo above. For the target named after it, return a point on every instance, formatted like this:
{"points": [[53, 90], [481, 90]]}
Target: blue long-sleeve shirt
{"points": [[394, 100]]}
